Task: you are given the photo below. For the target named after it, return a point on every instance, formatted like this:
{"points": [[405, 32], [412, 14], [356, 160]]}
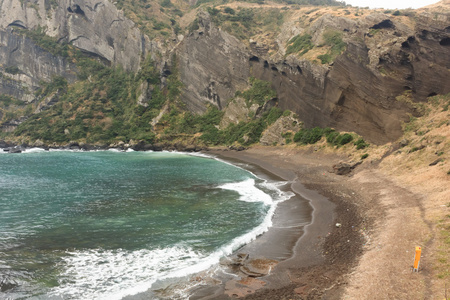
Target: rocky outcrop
{"points": [[96, 27], [275, 133], [237, 111], [343, 168]]}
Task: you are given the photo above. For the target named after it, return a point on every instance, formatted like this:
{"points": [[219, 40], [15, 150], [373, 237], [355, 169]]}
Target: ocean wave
{"points": [[114, 274], [248, 191]]}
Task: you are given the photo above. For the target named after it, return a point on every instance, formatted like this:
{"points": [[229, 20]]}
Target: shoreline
{"points": [[309, 257], [298, 249]]}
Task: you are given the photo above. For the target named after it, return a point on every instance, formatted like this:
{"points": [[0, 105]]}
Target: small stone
{"points": [[338, 225]]}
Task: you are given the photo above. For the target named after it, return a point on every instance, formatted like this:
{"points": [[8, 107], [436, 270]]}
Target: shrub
{"points": [[259, 93], [273, 115], [229, 10], [337, 139], [308, 136], [325, 58], [360, 144], [166, 3], [331, 137], [364, 156], [343, 139]]}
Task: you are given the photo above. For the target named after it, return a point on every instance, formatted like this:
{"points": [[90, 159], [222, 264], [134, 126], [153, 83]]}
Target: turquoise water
{"points": [[103, 225]]}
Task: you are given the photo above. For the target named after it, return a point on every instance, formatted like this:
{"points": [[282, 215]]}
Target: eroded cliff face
{"points": [[213, 65], [385, 57], [33, 64], [96, 27]]}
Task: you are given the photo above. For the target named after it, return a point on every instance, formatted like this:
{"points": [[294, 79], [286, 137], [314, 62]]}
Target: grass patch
{"points": [[334, 40], [299, 44]]}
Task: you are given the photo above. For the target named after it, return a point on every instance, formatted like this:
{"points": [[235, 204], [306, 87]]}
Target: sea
{"points": [[110, 224]]}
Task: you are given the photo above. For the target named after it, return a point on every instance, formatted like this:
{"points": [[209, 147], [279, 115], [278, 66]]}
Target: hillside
{"points": [[332, 66]]}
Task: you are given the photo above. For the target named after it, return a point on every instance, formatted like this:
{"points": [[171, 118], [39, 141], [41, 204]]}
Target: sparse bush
{"points": [[259, 93], [364, 156], [300, 43], [360, 144], [325, 58], [229, 10]]}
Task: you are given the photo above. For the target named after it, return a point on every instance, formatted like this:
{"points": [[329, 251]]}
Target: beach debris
{"points": [[338, 225]]}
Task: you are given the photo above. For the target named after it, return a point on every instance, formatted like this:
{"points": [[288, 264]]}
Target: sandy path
{"points": [[384, 271]]}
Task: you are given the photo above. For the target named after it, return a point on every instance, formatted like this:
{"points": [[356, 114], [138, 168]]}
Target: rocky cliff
{"points": [[96, 27], [352, 69], [385, 57]]}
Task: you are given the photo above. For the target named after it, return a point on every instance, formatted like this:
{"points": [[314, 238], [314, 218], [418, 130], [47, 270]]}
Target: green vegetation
{"points": [[314, 2], [46, 88], [325, 58], [46, 42], [259, 93], [12, 70], [311, 136], [157, 19], [299, 44], [332, 39], [364, 156], [287, 136], [100, 107], [244, 133], [360, 144], [243, 23], [6, 100]]}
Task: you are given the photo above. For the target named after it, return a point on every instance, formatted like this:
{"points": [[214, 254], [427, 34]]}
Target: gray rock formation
{"points": [[33, 63], [96, 27], [274, 133]]}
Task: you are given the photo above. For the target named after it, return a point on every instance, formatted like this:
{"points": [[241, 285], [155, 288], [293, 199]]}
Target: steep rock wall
{"points": [[384, 58], [213, 65], [33, 63], [96, 27]]}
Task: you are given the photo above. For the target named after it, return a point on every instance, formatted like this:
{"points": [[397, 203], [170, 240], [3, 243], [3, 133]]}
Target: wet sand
{"points": [[300, 225]]}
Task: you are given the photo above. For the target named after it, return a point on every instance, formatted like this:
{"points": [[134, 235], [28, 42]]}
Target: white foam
{"points": [[33, 150], [113, 274], [248, 191]]}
